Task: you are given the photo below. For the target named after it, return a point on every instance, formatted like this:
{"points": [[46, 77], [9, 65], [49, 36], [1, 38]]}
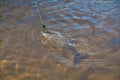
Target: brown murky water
{"points": [[93, 24]]}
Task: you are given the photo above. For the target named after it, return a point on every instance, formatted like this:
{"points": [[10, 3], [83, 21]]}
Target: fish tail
{"points": [[77, 59], [77, 56]]}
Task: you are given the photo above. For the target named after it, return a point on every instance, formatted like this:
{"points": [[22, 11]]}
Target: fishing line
{"points": [[38, 11], [40, 17]]}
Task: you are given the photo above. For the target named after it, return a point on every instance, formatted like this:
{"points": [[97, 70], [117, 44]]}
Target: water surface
{"points": [[93, 24]]}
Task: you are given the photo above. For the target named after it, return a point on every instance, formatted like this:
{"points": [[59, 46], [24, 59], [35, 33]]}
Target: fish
{"points": [[58, 40]]}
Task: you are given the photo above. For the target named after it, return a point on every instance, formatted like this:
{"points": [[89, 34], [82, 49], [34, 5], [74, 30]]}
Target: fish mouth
{"points": [[45, 37], [44, 34]]}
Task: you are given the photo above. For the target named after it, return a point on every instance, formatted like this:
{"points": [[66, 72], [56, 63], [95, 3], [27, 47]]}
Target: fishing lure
{"points": [[44, 27]]}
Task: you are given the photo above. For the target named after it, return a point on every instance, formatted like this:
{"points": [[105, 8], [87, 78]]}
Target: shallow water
{"points": [[94, 25]]}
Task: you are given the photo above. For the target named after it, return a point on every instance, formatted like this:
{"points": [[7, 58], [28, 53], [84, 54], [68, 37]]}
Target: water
{"points": [[94, 25]]}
